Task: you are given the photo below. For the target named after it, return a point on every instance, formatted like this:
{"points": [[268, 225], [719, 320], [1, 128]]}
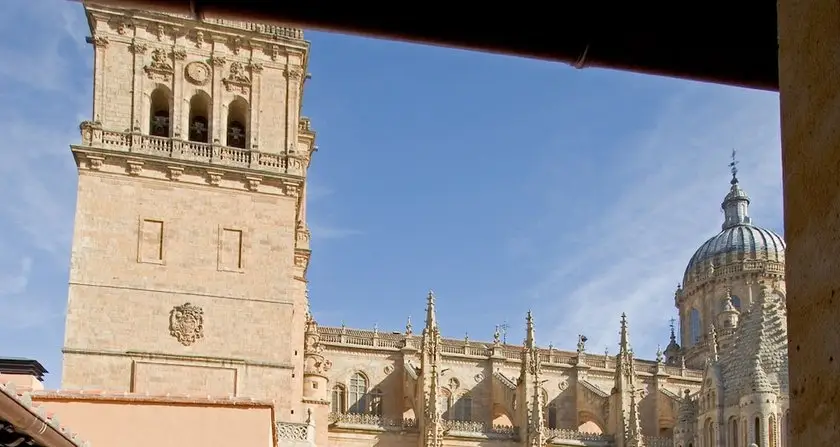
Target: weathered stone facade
{"points": [[188, 277], [190, 244], [734, 286]]}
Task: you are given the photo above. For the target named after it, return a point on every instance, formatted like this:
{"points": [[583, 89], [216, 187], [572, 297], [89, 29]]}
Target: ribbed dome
{"points": [[739, 239]]}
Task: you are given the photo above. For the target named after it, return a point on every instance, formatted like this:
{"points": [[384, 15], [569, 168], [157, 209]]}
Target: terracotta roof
{"points": [[25, 400]]}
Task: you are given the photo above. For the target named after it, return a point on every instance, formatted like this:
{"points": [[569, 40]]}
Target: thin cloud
{"points": [[320, 232], [20, 309], [635, 251]]}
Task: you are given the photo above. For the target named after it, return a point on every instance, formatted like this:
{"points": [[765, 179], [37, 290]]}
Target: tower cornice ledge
{"points": [[267, 33], [111, 162]]}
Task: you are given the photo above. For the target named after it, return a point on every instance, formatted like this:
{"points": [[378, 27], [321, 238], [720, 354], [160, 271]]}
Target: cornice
{"points": [[733, 271], [100, 161], [262, 34]]}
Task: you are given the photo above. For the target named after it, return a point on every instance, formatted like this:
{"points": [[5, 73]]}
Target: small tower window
{"points": [[237, 133], [160, 112], [199, 118], [694, 325]]}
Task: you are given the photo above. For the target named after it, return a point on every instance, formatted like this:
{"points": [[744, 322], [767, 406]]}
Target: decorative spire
{"points": [[530, 383], [430, 423], [581, 345], [673, 334], [713, 343], [624, 344], [728, 305], [529, 332], [633, 428], [431, 320], [759, 383], [736, 203], [733, 167]]}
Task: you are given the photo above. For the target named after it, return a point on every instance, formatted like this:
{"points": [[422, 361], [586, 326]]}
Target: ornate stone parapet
{"points": [[563, 434], [360, 421], [93, 136], [291, 431]]}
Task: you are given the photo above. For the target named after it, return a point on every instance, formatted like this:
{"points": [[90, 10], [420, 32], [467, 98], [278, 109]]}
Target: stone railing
{"points": [[260, 28], [292, 431], [394, 341], [656, 441], [574, 435], [134, 142], [474, 427], [698, 275], [371, 420]]}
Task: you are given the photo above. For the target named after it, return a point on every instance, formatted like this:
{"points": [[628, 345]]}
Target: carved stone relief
{"points": [[197, 72], [160, 68], [237, 79], [186, 323]]}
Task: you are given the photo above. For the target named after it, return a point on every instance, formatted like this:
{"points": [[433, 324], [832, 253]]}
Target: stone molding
{"points": [[145, 355], [345, 339]]}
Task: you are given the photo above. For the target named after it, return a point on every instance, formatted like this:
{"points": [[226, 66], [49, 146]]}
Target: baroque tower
{"points": [[190, 246]]}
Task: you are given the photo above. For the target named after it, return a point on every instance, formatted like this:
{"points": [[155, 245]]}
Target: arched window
{"points": [[237, 122], [550, 420], [160, 112], [771, 431], [444, 403], [200, 118], [709, 433], [462, 410], [736, 302], [695, 326], [339, 399], [358, 393], [757, 431], [376, 402], [733, 431]]}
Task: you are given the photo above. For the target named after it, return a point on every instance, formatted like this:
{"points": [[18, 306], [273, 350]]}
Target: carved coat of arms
{"points": [[186, 323]]}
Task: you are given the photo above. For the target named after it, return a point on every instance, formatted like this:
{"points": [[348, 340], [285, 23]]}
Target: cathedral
{"points": [[188, 317]]}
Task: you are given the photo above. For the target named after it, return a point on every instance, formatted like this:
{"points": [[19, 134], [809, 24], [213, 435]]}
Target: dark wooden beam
{"points": [[712, 42]]}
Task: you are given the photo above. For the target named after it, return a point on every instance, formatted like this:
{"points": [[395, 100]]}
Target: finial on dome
{"points": [[736, 203], [733, 167], [673, 335]]}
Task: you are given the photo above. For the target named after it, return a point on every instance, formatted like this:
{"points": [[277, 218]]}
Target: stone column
{"points": [[809, 71]]}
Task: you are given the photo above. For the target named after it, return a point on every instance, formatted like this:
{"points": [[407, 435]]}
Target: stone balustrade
{"points": [[464, 428], [698, 275], [375, 339], [565, 434], [292, 431], [93, 136]]}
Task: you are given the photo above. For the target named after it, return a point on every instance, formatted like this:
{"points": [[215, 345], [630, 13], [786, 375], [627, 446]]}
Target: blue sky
{"points": [[503, 184]]}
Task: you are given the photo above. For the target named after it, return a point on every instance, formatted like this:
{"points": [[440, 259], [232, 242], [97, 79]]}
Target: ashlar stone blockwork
{"points": [[190, 242]]}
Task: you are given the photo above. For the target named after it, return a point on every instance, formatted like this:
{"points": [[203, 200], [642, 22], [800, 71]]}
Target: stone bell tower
{"points": [[190, 245]]}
